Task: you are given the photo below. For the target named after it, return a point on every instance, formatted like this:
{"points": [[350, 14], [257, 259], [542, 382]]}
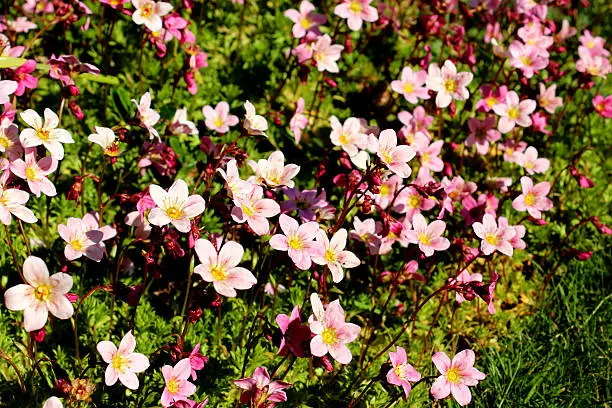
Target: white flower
{"points": [[105, 138], [175, 206], [149, 13], [254, 124], [46, 134], [12, 203], [273, 170]]}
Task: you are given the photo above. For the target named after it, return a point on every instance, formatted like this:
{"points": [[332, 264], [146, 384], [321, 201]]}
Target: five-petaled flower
{"points": [[123, 363], [456, 376], [402, 372], [534, 198], [44, 133], [175, 206]]}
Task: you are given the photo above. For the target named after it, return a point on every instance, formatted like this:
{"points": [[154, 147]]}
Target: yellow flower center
{"points": [[295, 243], [174, 212], [453, 375], [305, 23], [590, 44], [414, 201], [329, 335], [330, 255], [492, 239], [173, 386], [218, 273], [491, 101], [408, 88], [43, 134], [529, 165], [218, 122], [400, 371], [355, 6], [424, 238], [526, 61], [30, 173], [513, 113], [387, 157], [343, 139], [385, 189], [247, 211], [42, 293], [449, 85], [77, 244], [529, 199], [5, 142], [119, 362], [146, 11], [112, 150]]}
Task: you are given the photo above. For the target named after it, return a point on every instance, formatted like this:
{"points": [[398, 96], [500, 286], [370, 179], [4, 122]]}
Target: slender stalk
{"points": [[10, 244]]}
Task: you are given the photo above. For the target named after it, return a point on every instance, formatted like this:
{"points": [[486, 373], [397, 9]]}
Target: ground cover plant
{"points": [[330, 204]]}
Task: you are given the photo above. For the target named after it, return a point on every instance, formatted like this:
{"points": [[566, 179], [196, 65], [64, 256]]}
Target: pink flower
{"points": [[259, 389], [335, 256], [547, 99], [123, 363], [24, 77], [466, 277], [254, 124], [395, 157], [491, 98], [12, 202], [273, 172], [325, 54], [298, 241], [594, 46], [305, 20], [174, 23], [603, 106], [513, 150], [527, 58], [9, 139], [149, 13], [448, 83], [493, 238], [148, 117], [221, 268], [81, 240], [197, 361], [348, 136], [253, 209], [402, 372], [53, 402], [7, 88], [36, 172], [456, 376], [513, 112], [530, 162], [219, 119], [295, 334], [356, 12], [534, 198], [44, 133], [411, 85], [40, 295], [175, 206], [592, 65], [519, 230], [298, 121], [332, 333], [428, 237], [429, 156], [481, 133], [177, 387], [234, 183], [366, 231], [180, 125], [410, 202]]}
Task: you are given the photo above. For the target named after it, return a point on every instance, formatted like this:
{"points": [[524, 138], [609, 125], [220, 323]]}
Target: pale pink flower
{"points": [[530, 162], [429, 156], [273, 172], [348, 135], [92, 222], [253, 209], [259, 389], [366, 231], [335, 256], [493, 238], [221, 267], [456, 376], [356, 12], [457, 188], [106, 139], [395, 157], [12, 202], [298, 121], [402, 372], [36, 172], [565, 32], [180, 125], [177, 388], [305, 20], [44, 133], [149, 13], [533, 36], [517, 240], [219, 118], [9, 139], [40, 295], [417, 121], [7, 88], [514, 112], [331, 331], [21, 25], [448, 83], [534, 198], [513, 150], [491, 98], [175, 206], [123, 363], [81, 240], [325, 54], [411, 85], [298, 241], [482, 133], [593, 65], [387, 191], [466, 277], [428, 237], [234, 183], [53, 402], [595, 46], [254, 124], [547, 99], [410, 202], [148, 117]]}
